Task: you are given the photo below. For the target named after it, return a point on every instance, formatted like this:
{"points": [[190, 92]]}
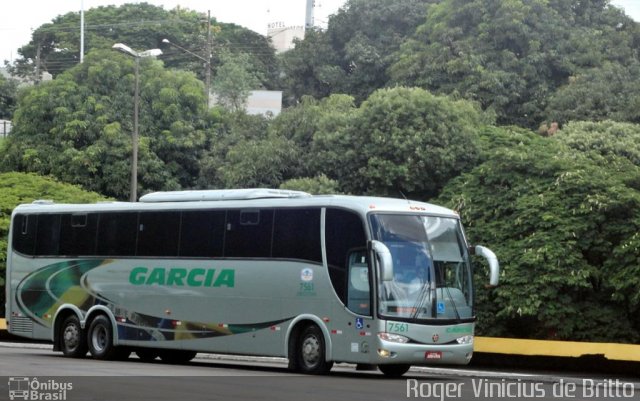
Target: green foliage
{"points": [[611, 91], [142, 26], [234, 80], [320, 185], [564, 225], [512, 55], [18, 188], [311, 69], [352, 56], [8, 97], [607, 138], [78, 126], [400, 141]]}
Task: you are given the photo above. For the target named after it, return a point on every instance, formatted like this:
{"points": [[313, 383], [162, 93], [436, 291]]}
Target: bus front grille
{"points": [[20, 324]]}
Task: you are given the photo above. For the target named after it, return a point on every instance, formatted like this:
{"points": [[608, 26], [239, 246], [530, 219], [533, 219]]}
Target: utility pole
{"points": [[308, 21]]}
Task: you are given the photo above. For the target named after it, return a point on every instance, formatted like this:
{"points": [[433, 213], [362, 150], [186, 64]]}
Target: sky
{"points": [[19, 17]]}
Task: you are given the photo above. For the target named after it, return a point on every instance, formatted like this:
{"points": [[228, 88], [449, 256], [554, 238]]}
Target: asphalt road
{"points": [[50, 376]]}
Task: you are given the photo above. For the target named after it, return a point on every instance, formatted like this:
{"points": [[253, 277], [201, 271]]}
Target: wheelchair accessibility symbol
{"points": [[359, 323]]}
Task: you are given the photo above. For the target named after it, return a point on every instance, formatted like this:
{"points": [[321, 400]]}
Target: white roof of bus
{"points": [[167, 201]]}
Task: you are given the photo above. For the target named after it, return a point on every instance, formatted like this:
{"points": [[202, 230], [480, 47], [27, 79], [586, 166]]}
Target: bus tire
{"points": [[100, 338], [309, 352], [394, 370], [73, 341], [173, 356]]}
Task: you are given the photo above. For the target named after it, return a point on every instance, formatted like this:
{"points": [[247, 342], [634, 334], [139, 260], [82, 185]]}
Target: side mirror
{"points": [[494, 265], [384, 259]]}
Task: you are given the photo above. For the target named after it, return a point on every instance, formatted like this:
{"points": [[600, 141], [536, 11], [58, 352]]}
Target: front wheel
{"points": [[100, 338], [72, 338], [394, 370], [309, 352]]}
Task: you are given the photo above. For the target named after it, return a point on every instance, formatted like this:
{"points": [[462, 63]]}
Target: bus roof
{"points": [[253, 198]]}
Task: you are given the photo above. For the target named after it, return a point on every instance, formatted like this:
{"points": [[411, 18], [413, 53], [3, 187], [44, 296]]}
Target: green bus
{"points": [[315, 279]]}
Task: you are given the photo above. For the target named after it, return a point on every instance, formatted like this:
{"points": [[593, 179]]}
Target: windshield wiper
{"points": [[425, 293]]}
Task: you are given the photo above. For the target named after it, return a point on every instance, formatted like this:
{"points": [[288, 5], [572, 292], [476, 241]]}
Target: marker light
{"points": [[394, 338]]}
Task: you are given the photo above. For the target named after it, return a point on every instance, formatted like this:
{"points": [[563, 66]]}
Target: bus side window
{"points": [[296, 235], [249, 233], [117, 234], [24, 233], [202, 233], [78, 234], [158, 233], [48, 235], [344, 231], [359, 293]]}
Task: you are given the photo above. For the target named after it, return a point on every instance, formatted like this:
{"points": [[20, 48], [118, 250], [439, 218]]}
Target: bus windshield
{"points": [[431, 268]]}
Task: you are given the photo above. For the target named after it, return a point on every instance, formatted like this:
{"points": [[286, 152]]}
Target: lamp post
{"points": [[134, 151], [207, 82]]}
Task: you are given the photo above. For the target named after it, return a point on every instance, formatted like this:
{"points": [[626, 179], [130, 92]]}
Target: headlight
{"points": [[394, 338], [465, 340]]}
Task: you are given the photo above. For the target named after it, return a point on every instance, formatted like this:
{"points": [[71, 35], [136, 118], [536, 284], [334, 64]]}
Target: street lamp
{"points": [[207, 85], [134, 153]]}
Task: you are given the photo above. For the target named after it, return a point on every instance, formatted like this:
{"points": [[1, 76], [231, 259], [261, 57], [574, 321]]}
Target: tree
{"points": [[564, 224], [141, 26], [319, 185], [234, 81], [17, 188], [232, 131], [606, 138], [400, 141], [310, 69], [511, 55], [78, 126], [8, 97], [300, 124], [608, 92], [353, 54], [365, 34]]}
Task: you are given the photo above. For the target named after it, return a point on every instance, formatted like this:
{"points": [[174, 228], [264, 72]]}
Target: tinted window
{"points": [[158, 233], [344, 232], [78, 234], [48, 234], [248, 233], [296, 234], [117, 234], [202, 234], [24, 233]]}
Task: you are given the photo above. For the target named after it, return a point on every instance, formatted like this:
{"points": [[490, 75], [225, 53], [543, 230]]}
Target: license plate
{"points": [[433, 355]]}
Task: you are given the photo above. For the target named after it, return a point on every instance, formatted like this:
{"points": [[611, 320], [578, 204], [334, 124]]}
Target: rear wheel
{"points": [[309, 352], [100, 338], [394, 370], [72, 338]]}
